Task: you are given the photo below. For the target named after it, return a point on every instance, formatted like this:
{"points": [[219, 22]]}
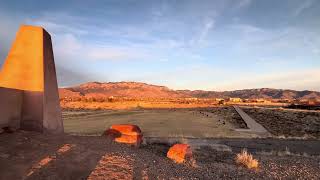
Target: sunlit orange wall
{"points": [[23, 68]]}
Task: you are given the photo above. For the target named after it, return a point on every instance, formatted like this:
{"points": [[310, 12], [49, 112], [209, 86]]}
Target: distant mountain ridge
{"points": [[144, 90]]}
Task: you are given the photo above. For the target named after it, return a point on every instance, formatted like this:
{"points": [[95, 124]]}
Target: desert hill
{"points": [[121, 89], [143, 90]]}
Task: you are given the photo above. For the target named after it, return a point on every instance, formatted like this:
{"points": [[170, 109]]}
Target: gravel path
{"points": [[251, 123]]}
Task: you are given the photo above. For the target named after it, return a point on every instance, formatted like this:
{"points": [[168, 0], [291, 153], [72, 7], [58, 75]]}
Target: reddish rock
{"points": [[179, 153], [125, 133]]}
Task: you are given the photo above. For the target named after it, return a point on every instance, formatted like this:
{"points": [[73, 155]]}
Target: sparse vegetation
{"points": [[284, 123], [246, 159]]}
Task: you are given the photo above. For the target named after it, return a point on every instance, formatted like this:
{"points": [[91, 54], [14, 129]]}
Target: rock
{"points": [[125, 133], [179, 153]]}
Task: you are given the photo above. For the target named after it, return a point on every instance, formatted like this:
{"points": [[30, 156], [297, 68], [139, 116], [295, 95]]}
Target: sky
{"points": [[182, 44]]}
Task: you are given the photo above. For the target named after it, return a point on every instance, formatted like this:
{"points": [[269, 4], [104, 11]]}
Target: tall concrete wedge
{"points": [[28, 84]]}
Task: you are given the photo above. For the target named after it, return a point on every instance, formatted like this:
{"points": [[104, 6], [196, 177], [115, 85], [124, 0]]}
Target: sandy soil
{"points": [[158, 122], [288, 123], [25, 155]]}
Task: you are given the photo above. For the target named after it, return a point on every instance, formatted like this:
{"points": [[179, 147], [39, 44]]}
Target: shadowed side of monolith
{"points": [[52, 120]]}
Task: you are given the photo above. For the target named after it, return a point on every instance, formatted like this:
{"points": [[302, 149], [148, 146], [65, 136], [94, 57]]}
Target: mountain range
{"points": [[144, 90]]}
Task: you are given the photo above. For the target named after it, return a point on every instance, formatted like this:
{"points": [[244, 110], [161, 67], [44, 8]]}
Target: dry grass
{"points": [[246, 159]]}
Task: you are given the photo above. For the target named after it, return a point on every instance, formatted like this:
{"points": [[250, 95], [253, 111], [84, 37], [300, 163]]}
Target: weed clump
{"points": [[246, 159]]}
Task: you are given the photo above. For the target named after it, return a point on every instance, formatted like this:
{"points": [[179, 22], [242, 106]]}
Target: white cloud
{"points": [[204, 77], [316, 51], [242, 4], [113, 53], [247, 28], [67, 47], [200, 38], [206, 29], [54, 25], [298, 80], [8, 29], [303, 6]]}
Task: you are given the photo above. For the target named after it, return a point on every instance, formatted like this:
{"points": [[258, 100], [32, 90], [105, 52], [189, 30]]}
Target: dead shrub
{"points": [[246, 159]]}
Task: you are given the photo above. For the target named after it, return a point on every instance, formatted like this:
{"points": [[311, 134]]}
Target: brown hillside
{"points": [[125, 89], [143, 90]]}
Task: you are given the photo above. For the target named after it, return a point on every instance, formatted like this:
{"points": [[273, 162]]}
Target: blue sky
{"points": [[210, 45]]}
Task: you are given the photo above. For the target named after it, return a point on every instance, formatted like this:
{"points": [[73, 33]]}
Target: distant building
{"points": [[312, 101], [235, 100], [262, 100], [191, 99]]}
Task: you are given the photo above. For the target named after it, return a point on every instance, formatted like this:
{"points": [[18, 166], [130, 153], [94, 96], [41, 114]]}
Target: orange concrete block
{"points": [[129, 139], [125, 133], [127, 129], [179, 153]]}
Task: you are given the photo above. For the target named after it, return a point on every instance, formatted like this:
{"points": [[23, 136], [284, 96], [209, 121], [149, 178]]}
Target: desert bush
{"points": [[246, 159]]}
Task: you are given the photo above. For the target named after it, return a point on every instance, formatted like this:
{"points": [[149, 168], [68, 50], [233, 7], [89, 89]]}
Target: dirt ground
{"points": [[193, 123], [129, 105], [210, 122], [230, 114], [287, 122], [210, 132], [26, 155]]}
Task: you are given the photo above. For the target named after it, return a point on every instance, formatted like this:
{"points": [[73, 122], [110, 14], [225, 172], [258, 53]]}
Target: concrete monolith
{"points": [[28, 84]]}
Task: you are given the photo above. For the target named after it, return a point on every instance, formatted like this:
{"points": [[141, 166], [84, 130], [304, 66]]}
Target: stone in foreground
{"points": [[28, 84], [125, 133], [179, 153]]}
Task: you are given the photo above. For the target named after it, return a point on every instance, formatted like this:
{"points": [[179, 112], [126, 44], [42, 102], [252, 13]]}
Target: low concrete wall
{"points": [[10, 103], [32, 111]]}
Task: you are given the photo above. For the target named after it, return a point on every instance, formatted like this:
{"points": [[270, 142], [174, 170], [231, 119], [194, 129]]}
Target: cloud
{"points": [[68, 77], [316, 51], [114, 53], [55, 27], [208, 25], [170, 34], [205, 77], [67, 47], [243, 4], [303, 6], [297, 80], [246, 28], [7, 34]]}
